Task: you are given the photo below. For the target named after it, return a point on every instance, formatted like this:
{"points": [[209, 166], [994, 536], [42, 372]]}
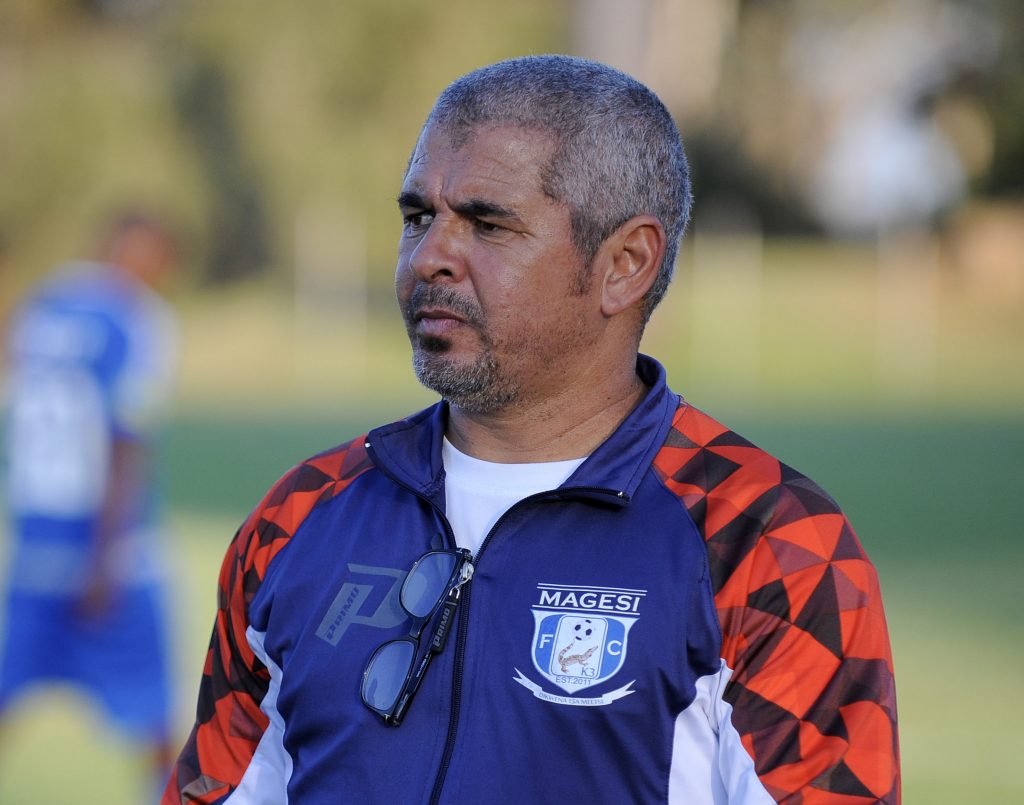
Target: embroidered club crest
{"points": [[580, 638]]}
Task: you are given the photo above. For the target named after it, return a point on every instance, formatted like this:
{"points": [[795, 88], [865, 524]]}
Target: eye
{"points": [[486, 227], [414, 222]]}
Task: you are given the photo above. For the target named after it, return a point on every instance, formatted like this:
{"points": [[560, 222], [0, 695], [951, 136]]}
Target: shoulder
{"points": [[62, 332], [742, 498], [289, 502]]}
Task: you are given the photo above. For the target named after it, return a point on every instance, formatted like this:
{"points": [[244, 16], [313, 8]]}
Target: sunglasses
{"points": [[393, 675]]}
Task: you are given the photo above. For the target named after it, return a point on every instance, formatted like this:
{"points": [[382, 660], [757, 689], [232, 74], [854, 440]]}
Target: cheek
{"points": [[517, 326], [518, 297], [404, 281]]}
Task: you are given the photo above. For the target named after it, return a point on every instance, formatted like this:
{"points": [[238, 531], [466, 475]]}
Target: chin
{"points": [[431, 345], [474, 385]]}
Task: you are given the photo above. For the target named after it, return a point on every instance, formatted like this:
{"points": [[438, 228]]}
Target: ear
{"points": [[631, 257]]}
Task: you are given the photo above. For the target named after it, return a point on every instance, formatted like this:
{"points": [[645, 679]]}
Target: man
{"points": [[90, 361], [647, 608]]}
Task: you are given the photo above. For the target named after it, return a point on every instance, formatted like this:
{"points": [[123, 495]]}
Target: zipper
{"points": [[467, 597], [460, 639], [453, 718]]}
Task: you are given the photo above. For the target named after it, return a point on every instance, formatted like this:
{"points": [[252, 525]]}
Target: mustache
{"points": [[445, 298]]}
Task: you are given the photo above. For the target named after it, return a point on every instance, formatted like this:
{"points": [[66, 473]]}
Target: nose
{"points": [[436, 254]]}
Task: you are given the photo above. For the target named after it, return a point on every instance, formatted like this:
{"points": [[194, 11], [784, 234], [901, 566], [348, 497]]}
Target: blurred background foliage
{"points": [[841, 138], [237, 115], [850, 294], [234, 116]]}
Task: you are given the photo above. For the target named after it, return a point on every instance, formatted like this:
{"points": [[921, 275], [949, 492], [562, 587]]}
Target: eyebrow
{"points": [[478, 208], [471, 208], [412, 200]]}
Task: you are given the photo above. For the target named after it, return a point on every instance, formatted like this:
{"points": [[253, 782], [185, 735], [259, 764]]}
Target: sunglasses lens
{"points": [[427, 582], [386, 674]]}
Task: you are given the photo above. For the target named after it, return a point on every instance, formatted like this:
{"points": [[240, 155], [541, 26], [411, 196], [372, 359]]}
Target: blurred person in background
{"points": [[91, 355], [617, 598]]}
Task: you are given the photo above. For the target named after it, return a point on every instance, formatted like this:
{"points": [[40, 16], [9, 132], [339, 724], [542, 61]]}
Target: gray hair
{"points": [[617, 152]]}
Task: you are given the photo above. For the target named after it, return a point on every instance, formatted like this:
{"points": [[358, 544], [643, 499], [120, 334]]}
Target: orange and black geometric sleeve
{"points": [[229, 722], [803, 628]]}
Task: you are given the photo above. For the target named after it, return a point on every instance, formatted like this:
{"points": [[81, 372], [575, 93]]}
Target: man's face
{"points": [[487, 276]]}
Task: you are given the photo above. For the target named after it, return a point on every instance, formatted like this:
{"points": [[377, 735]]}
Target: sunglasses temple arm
{"points": [[413, 686], [437, 643]]}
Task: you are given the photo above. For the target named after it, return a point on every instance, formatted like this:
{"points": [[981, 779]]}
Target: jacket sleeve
{"points": [[812, 691], [804, 638], [229, 722]]}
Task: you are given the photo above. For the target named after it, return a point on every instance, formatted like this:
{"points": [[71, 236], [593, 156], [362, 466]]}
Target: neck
{"points": [[568, 424]]}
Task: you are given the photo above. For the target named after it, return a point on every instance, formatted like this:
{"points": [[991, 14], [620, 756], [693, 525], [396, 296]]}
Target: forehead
{"points": [[490, 159]]}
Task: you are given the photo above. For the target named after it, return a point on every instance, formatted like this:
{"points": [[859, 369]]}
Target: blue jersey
{"points": [[90, 361]]}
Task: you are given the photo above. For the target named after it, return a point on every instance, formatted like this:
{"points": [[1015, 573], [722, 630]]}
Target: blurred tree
{"points": [[724, 173], [1002, 92], [124, 9], [244, 114], [239, 243]]}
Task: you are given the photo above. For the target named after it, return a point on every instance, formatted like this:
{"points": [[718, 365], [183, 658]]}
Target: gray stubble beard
{"points": [[477, 388], [480, 387]]}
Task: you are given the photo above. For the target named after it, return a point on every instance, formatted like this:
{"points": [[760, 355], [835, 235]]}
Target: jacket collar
{"points": [[409, 451]]}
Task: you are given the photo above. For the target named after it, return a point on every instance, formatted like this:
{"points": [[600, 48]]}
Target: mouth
{"points": [[437, 322], [435, 313], [437, 316]]}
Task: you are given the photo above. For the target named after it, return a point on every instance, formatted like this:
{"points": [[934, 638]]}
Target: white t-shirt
{"points": [[478, 492]]}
